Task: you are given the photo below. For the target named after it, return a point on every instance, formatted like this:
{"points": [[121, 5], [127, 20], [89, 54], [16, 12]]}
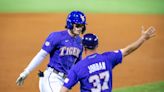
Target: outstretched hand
{"points": [[148, 33]]}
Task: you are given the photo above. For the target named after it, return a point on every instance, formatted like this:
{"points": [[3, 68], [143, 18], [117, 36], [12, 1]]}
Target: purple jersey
{"points": [[64, 50], [94, 72]]}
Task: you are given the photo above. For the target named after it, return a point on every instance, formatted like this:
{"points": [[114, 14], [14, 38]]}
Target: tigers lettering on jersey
{"points": [[96, 67], [69, 51]]}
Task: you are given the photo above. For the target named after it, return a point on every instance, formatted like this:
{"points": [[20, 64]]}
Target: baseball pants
{"points": [[50, 82]]}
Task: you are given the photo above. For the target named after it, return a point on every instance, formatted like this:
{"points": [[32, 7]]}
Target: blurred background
{"points": [[25, 24]]}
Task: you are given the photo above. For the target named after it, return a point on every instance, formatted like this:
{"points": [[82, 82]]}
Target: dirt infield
{"points": [[22, 36]]}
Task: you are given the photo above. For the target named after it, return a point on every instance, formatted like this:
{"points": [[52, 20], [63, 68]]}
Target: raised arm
{"points": [[146, 34]]}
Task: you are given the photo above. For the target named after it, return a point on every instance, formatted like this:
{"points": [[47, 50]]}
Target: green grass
{"points": [[153, 87], [95, 6]]}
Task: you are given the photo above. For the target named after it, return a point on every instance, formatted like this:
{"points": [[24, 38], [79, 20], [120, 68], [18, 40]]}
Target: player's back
{"points": [[95, 72]]}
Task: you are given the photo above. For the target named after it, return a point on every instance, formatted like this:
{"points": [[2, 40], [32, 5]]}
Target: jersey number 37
{"points": [[96, 81]]}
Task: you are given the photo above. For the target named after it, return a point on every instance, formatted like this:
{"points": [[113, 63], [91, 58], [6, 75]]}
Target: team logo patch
{"points": [[47, 43]]}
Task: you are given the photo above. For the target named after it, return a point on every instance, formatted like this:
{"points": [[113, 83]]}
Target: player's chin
{"points": [[77, 33]]}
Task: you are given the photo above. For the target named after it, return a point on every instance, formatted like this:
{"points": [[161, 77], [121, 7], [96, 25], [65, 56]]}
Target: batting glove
{"points": [[21, 78]]}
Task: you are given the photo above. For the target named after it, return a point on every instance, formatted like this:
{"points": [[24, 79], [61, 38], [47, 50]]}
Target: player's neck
{"points": [[90, 52]]}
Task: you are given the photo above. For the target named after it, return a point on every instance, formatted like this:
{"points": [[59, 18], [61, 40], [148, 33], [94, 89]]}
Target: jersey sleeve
{"points": [[50, 42], [71, 79], [115, 57]]}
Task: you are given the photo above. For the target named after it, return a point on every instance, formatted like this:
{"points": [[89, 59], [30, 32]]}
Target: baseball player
{"points": [[95, 71], [65, 49]]}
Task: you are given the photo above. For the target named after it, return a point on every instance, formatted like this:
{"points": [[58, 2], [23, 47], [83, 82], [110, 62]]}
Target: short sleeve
{"points": [[50, 42], [115, 57]]}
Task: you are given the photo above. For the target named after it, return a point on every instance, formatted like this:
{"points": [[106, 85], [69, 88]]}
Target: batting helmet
{"points": [[76, 17], [90, 41]]}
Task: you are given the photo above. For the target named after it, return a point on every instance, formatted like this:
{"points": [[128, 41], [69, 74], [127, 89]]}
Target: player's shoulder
{"points": [[111, 52], [79, 62], [57, 33]]}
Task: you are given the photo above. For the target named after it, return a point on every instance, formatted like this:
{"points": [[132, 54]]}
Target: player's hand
{"points": [[21, 78], [150, 32]]}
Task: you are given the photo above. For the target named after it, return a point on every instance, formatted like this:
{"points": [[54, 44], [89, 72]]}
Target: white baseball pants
{"points": [[51, 82]]}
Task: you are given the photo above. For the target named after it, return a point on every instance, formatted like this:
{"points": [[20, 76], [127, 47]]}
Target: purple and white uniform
{"points": [[64, 51], [94, 72]]}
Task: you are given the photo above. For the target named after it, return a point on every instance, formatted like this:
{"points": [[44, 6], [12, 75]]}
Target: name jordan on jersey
{"points": [[96, 67]]}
